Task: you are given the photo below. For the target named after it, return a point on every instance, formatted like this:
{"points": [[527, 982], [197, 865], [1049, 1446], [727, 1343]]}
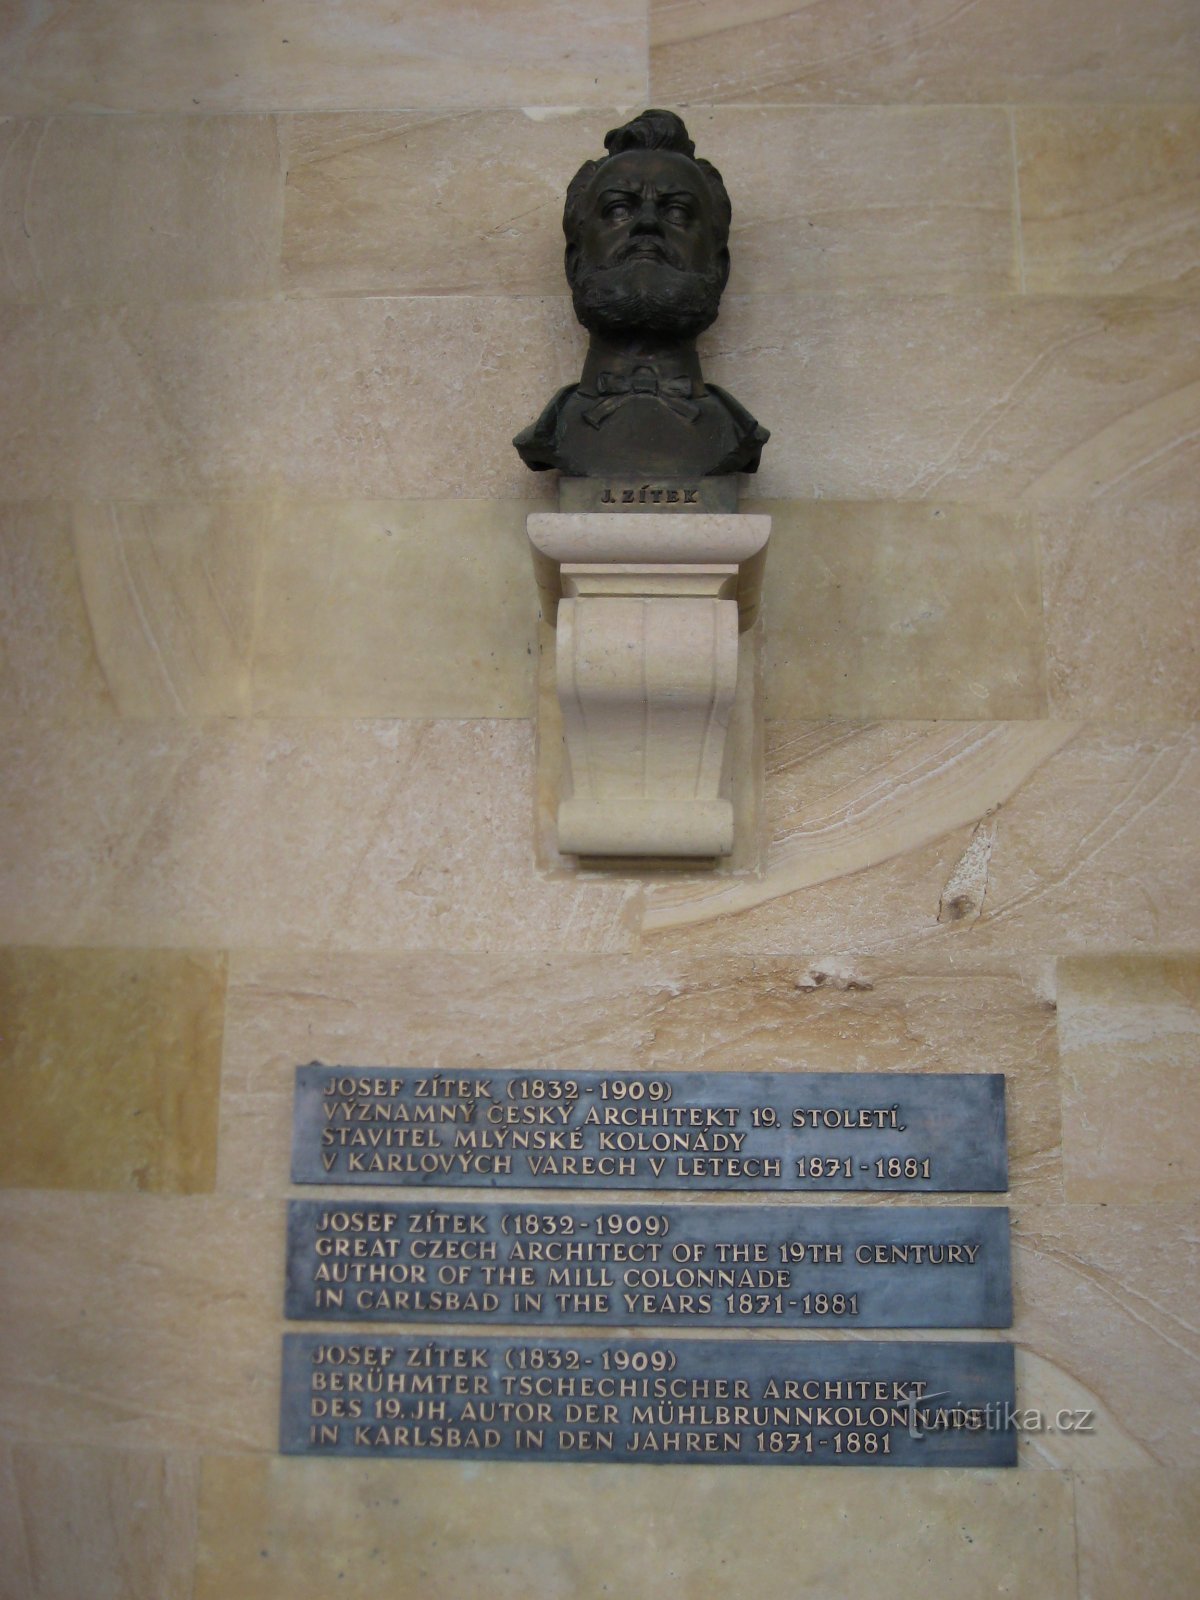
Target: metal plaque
{"points": [[767, 1402], [775, 1132], [693, 1266]]}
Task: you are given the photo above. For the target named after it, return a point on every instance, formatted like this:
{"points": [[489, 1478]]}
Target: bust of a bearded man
{"points": [[647, 258]]}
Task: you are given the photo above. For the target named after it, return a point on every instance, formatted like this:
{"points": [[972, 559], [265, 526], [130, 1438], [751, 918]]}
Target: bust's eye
{"points": [[678, 215], [618, 211]]}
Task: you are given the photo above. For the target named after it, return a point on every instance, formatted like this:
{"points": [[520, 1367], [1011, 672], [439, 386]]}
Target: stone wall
{"points": [[279, 283]]}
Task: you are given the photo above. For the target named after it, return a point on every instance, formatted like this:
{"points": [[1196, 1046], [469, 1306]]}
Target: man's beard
{"points": [[646, 297]]}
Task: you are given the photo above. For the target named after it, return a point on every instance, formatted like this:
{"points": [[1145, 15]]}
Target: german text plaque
{"points": [[773, 1132], [777, 1402]]}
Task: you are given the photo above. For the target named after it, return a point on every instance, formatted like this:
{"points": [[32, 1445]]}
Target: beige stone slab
{"points": [[1110, 199], [172, 595], [75, 806], [120, 209], [441, 1531], [451, 202], [110, 1066], [1137, 1534], [140, 1322], [49, 664], [1017, 837], [1107, 1296], [1119, 587], [653, 1013], [369, 398], [180, 55], [356, 834], [401, 609], [864, 198], [1067, 1426], [1129, 1037], [16, 1580], [928, 50], [407, 834], [998, 400], [172, 609], [912, 397], [894, 610], [824, 198], [109, 1524]]}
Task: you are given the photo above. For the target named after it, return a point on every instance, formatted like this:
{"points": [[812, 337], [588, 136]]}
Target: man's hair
{"points": [[653, 130]]}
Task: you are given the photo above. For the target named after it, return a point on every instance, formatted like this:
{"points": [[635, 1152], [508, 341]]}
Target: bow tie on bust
{"points": [[619, 388]]}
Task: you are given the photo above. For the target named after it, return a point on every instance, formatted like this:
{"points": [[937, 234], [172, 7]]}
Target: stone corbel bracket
{"points": [[647, 609]]}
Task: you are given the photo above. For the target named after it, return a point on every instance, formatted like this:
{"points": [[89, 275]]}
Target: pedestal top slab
{"points": [[592, 536]]}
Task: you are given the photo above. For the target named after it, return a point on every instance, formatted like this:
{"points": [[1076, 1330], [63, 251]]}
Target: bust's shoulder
{"points": [[751, 435], [537, 445]]}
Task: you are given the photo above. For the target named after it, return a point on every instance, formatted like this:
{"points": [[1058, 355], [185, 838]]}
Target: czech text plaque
{"points": [[768, 1131], [695, 1266], [775, 1402]]}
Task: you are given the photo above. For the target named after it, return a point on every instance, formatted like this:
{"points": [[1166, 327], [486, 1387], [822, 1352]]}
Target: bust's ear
{"points": [[723, 264], [570, 261]]}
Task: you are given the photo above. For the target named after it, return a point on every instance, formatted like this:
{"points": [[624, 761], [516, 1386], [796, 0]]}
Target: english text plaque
{"points": [[773, 1132], [774, 1402], [693, 1266]]}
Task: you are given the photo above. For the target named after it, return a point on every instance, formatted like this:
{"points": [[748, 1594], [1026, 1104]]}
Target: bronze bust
{"points": [[647, 258]]}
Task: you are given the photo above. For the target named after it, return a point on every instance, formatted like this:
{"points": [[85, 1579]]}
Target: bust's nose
{"points": [[646, 218]]}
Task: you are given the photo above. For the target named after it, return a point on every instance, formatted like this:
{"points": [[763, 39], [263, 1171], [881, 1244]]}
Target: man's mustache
{"points": [[644, 249]]}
